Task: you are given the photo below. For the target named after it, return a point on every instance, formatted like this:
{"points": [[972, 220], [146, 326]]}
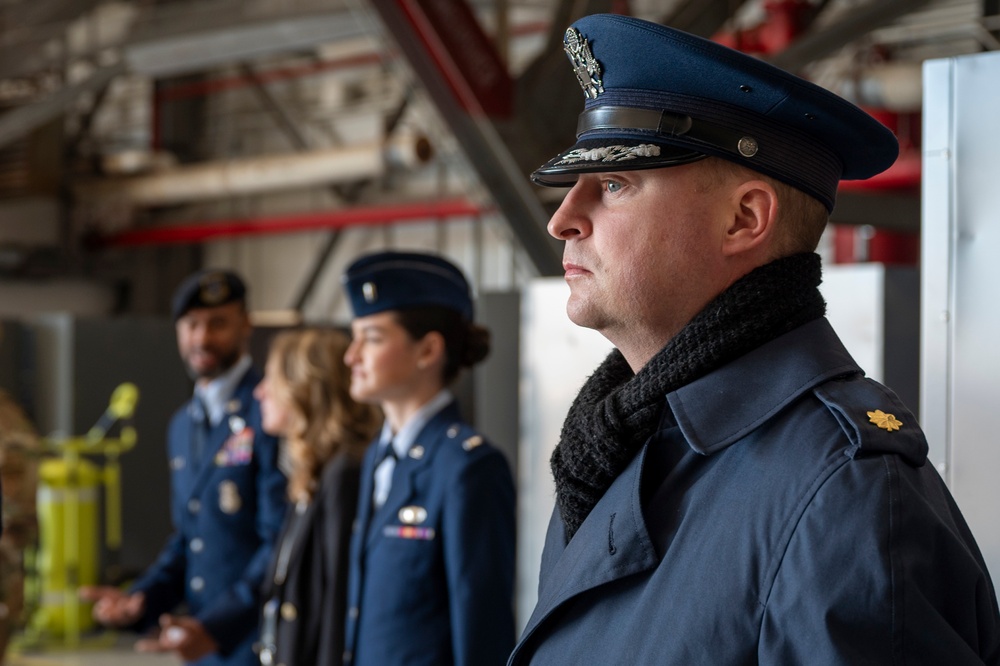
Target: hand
{"points": [[182, 634], [113, 607]]}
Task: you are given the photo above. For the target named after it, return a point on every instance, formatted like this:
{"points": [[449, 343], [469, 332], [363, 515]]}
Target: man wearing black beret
{"points": [[227, 493], [731, 488]]}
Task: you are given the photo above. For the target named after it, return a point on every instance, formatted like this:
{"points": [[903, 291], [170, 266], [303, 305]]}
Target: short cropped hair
{"points": [[801, 218]]}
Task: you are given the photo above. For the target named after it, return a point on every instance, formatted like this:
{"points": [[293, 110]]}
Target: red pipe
{"points": [[904, 173], [199, 232], [197, 89], [170, 92]]}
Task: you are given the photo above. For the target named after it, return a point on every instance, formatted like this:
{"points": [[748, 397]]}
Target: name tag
{"points": [[409, 532]]}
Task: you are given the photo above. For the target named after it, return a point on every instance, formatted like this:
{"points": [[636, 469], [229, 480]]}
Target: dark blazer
{"points": [[432, 571], [226, 516], [781, 525], [309, 601]]}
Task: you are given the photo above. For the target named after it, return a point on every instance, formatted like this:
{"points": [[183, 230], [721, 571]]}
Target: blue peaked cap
{"points": [[658, 97], [398, 280]]}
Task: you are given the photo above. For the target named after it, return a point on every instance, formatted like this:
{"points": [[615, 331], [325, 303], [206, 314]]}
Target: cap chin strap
{"points": [[667, 124]]}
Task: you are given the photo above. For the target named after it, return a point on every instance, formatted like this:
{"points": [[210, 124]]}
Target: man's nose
{"points": [[568, 222]]}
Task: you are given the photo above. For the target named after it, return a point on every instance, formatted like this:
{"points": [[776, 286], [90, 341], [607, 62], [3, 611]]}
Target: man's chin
{"points": [[204, 372], [580, 314]]}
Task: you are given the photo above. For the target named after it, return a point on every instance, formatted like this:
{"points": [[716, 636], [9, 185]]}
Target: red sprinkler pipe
{"points": [[199, 232]]}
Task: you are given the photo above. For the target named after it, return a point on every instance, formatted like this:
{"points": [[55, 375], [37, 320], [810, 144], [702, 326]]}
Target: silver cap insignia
{"points": [[585, 66]]}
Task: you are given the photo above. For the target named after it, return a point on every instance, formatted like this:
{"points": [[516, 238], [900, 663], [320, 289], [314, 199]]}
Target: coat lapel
{"points": [[612, 543], [430, 439], [238, 406]]}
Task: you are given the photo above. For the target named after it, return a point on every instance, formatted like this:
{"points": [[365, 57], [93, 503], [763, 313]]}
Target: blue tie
{"points": [[199, 431], [383, 475]]}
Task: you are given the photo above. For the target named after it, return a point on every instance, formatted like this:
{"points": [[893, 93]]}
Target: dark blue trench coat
{"points": [[770, 521]]}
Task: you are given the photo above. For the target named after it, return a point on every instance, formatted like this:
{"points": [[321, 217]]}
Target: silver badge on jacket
{"points": [[229, 497]]}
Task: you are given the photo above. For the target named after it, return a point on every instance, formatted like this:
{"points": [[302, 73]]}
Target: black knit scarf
{"points": [[618, 410]]}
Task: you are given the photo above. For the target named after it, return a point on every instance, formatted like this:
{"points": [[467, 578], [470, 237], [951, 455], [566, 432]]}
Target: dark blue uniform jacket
{"points": [[432, 571], [770, 521], [226, 512]]}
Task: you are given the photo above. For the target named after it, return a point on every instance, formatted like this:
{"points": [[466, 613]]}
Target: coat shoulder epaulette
{"points": [[873, 418], [463, 440]]}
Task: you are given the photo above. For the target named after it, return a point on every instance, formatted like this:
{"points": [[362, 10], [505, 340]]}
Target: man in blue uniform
{"points": [[227, 493], [731, 489]]}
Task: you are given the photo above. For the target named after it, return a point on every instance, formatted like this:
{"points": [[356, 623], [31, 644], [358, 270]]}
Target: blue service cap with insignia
{"points": [[206, 289], [659, 97], [397, 280]]}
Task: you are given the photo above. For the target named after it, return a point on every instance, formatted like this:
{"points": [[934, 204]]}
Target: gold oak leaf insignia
{"points": [[884, 421]]}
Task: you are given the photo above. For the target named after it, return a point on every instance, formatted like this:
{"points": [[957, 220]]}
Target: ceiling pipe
{"points": [[823, 40], [212, 180], [903, 174], [209, 230], [17, 122], [896, 86]]}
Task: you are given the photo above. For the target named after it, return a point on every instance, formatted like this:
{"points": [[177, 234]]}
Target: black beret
{"points": [[658, 97], [397, 280], [206, 289]]}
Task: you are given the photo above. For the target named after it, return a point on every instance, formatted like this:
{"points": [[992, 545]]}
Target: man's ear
{"points": [[755, 206]]}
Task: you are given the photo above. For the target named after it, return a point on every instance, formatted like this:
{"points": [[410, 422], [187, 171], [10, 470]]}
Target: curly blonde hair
{"points": [[311, 378]]}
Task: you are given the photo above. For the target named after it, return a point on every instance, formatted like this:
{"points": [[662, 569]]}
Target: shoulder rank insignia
{"points": [[585, 65], [472, 442], [884, 421]]}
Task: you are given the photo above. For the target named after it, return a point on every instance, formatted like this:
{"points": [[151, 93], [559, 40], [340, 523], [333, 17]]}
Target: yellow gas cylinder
{"points": [[68, 545]]}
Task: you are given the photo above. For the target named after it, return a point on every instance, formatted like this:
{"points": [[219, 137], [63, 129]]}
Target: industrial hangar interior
{"points": [[142, 140]]}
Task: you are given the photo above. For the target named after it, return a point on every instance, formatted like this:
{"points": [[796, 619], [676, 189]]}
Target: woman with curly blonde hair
{"points": [[305, 399]]}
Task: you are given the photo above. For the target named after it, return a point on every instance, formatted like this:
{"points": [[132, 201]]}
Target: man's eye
{"points": [[612, 186]]}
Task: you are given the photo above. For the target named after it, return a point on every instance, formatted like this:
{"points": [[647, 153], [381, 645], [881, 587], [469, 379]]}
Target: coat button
{"points": [[197, 545], [353, 613], [348, 656], [289, 612], [194, 506], [197, 583]]}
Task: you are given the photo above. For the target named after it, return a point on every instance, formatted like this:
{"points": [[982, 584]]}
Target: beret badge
{"points": [[585, 66], [214, 289]]}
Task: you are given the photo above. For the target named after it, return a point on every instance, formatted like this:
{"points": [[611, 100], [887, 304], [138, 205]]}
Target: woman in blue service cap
{"points": [[432, 556]]}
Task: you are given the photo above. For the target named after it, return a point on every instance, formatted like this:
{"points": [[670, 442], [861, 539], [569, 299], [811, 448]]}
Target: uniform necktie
{"points": [[199, 431], [383, 475]]}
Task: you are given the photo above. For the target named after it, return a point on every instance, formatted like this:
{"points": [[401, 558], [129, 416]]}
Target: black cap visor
{"points": [[610, 154]]}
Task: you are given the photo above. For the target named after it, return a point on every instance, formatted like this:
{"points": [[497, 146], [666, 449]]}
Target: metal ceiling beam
{"points": [[701, 17], [859, 21], [18, 122], [33, 27], [190, 37], [485, 150], [209, 39], [37, 12]]}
